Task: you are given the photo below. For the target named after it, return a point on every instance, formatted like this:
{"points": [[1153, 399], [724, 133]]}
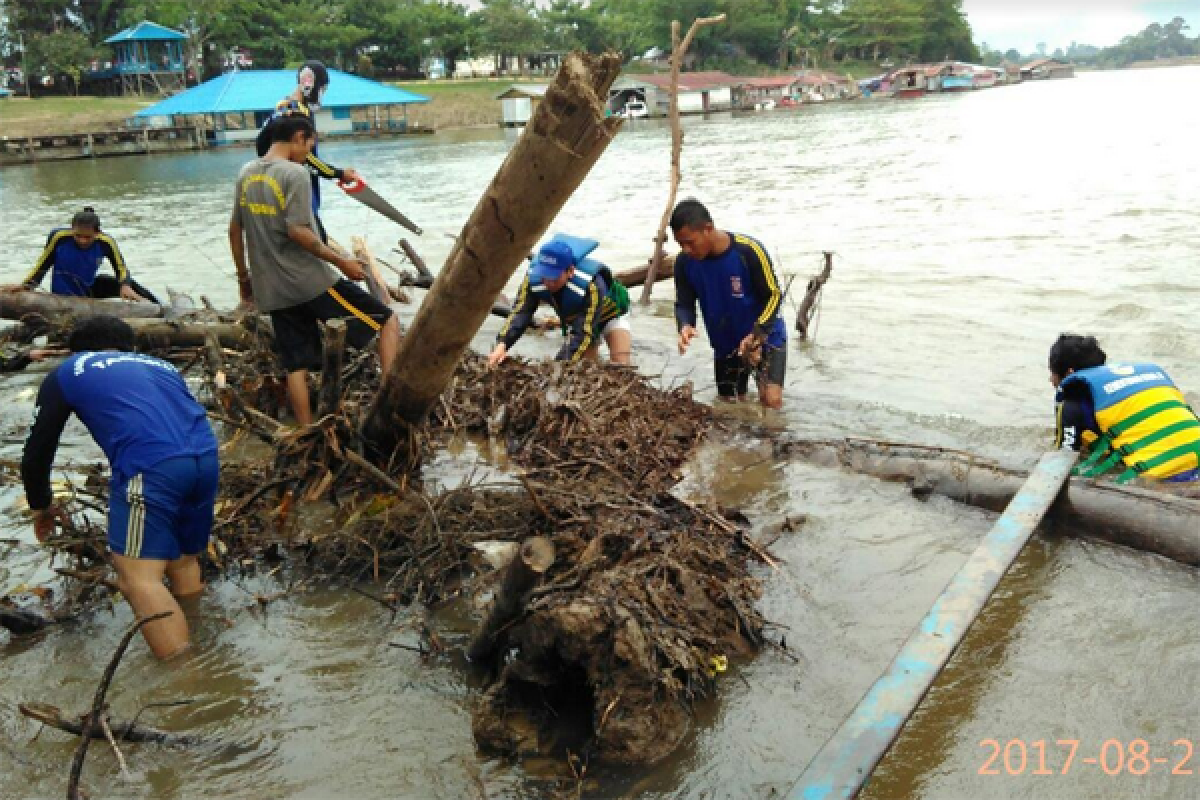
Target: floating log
{"points": [[154, 333], [53, 717], [637, 275], [523, 572], [32, 304], [499, 308], [562, 141], [1156, 521]]}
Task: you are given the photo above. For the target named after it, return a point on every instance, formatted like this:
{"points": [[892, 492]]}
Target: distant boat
{"points": [[634, 109]]}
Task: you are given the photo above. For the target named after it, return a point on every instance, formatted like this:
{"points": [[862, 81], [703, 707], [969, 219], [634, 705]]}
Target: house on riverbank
{"points": [[699, 92], [234, 106], [518, 102], [1047, 69]]}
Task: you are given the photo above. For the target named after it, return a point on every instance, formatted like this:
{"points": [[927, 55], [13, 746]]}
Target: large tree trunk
{"points": [[1154, 521], [561, 143]]}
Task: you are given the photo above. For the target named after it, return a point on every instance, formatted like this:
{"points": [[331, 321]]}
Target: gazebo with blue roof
{"points": [[236, 105], [148, 57]]}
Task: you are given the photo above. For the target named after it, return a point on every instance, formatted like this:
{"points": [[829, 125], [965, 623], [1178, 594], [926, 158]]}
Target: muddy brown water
{"points": [[969, 230]]}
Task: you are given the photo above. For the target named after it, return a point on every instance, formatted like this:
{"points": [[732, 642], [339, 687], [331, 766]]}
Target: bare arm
{"points": [[307, 238], [237, 247]]}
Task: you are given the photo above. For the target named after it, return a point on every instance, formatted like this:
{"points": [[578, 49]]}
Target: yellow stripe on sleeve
{"points": [[768, 270]]}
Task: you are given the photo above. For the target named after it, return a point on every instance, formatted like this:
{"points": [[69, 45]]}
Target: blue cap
{"points": [[552, 261]]}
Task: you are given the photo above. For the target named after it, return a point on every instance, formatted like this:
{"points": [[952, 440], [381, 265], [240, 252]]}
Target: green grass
{"points": [[458, 103], [20, 116]]}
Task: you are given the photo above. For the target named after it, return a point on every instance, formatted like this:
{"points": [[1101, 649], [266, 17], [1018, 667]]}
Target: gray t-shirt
{"points": [[271, 195]]}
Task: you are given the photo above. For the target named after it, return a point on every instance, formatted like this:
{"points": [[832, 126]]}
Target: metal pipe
{"points": [[844, 765]]}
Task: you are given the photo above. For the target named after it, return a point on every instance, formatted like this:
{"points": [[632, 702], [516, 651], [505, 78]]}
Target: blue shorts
{"points": [[166, 511], [1184, 477]]}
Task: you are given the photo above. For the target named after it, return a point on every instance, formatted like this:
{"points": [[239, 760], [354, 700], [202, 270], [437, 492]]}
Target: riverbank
{"points": [[21, 116]]}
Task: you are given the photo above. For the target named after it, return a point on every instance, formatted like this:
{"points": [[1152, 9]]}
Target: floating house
{"points": [[147, 58], [817, 85], [518, 102], [235, 105], [1047, 69], [755, 92], [699, 92], [911, 81]]}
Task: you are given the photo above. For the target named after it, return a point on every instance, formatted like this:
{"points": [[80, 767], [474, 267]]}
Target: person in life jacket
{"points": [[75, 254], [1130, 417], [732, 278], [591, 304], [163, 456], [312, 79]]}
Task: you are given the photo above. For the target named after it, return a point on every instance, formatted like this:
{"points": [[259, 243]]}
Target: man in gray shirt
{"points": [[272, 230]]}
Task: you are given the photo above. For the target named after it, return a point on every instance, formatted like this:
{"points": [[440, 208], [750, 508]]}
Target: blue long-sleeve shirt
{"points": [[738, 294], [75, 267]]}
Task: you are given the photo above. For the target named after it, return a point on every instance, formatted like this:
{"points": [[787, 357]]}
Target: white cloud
{"points": [[1024, 23]]}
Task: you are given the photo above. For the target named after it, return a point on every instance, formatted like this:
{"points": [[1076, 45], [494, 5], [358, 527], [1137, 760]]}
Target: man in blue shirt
{"points": [[75, 254], [733, 279], [163, 456]]}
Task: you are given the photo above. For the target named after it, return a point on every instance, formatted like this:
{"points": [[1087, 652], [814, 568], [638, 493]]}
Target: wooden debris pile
{"points": [[640, 604]]}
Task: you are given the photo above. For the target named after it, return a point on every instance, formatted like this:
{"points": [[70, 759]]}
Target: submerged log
{"points": [[21, 621], [521, 575], [53, 717], [808, 306], [1144, 519], [562, 141]]}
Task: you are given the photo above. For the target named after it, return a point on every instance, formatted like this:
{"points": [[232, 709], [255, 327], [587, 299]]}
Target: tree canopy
{"points": [[397, 35]]}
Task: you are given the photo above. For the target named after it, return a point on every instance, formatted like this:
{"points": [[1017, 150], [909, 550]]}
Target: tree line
{"points": [[398, 36], [1157, 41]]}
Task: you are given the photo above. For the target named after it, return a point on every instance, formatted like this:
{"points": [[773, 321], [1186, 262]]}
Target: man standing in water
{"points": [[312, 80], [163, 456], [281, 266], [734, 281], [1132, 419]]}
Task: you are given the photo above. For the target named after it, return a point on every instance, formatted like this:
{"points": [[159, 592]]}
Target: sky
{"points": [[1024, 23]]}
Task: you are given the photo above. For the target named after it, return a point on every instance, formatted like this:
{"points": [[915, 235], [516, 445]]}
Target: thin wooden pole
{"points": [[844, 765], [678, 50]]}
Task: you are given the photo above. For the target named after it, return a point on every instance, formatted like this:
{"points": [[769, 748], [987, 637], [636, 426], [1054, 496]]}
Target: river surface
{"points": [[969, 230]]}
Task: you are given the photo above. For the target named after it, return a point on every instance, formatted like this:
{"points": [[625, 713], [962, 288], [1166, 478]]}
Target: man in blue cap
{"points": [[591, 304]]}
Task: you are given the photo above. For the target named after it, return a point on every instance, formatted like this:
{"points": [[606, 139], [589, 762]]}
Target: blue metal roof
{"points": [[146, 31], [262, 89]]}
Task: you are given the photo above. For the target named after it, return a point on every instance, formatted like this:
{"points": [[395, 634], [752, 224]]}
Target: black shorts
{"points": [[298, 334], [733, 374]]}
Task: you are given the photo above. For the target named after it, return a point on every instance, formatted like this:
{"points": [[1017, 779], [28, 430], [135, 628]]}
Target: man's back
{"points": [[137, 407], [273, 194]]}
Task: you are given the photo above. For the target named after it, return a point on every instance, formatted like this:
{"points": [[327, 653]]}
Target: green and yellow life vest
{"points": [[1145, 424]]}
